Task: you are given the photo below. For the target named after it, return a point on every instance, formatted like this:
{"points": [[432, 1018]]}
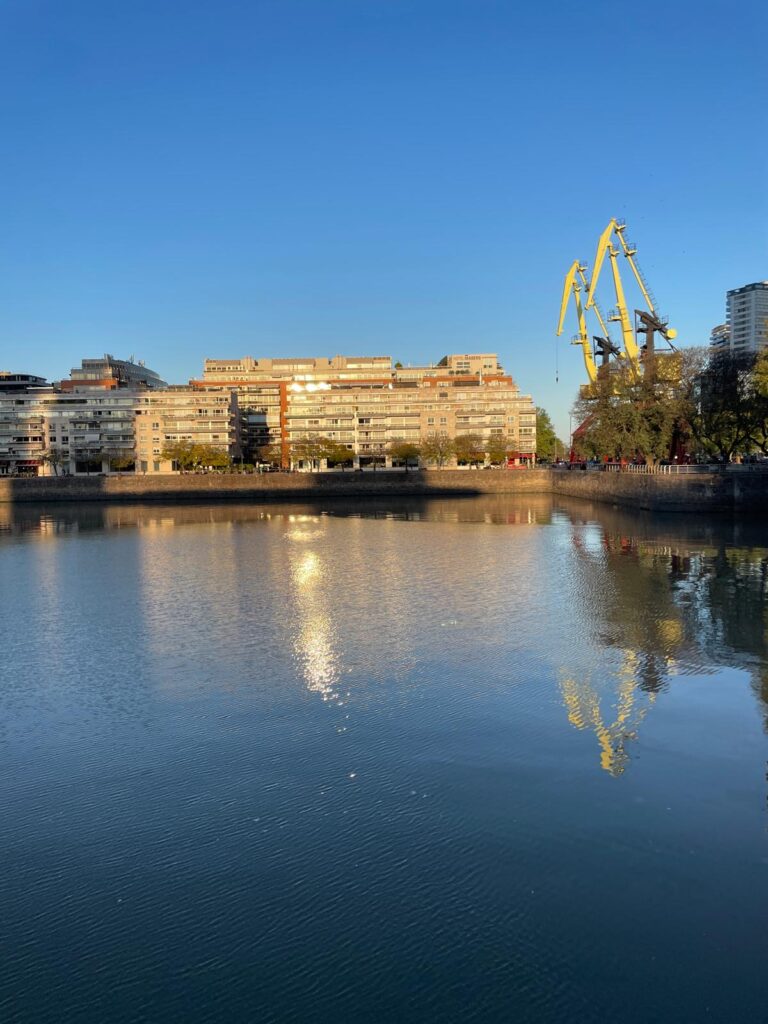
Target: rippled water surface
{"points": [[474, 760]]}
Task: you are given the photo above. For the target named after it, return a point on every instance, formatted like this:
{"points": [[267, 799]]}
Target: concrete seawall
{"points": [[272, 486], [697, 492], [742, 492]]}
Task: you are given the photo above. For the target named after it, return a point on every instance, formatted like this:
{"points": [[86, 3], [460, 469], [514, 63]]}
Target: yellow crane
{"points": [[575, 281], [646, 321], [605, 246]]}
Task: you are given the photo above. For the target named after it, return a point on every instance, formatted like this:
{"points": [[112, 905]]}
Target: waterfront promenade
{"points": [[717, 491]]}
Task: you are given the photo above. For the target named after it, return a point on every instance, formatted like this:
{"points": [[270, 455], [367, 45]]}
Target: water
{"points": [[475, 760]]}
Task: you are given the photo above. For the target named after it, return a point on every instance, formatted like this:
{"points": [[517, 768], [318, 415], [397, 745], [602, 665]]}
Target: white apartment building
{"points": [[45, 432]]}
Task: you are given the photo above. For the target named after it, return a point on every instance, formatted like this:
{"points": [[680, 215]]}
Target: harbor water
{"points": [[481, 759]]}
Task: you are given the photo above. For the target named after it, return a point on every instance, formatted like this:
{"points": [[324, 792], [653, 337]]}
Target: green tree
{"points": [[121, 463], [725, 402], [759, 431], [549, 447], [437, 448], [188, 456], [310, 448], [628, 416], [404, 451], [335, 453], [499, 446], [469, 449]]}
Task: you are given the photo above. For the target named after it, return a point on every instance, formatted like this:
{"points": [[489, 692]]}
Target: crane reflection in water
{"points": [[666, 607]]}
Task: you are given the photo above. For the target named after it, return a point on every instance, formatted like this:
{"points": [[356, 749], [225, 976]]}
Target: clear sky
{"points": [[191, 178]]}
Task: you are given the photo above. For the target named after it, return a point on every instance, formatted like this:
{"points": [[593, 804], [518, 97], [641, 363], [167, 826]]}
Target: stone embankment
{"points": [[695, 492]]}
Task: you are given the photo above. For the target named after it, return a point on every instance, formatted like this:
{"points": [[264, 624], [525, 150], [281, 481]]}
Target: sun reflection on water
{"points": [[315, 645]]}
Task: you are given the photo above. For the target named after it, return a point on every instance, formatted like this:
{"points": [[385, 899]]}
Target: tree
{"points": [[335, 453], [189, 456], [121, 463], [759, 433], [404, 451], [310, 448], [55, 457], [271, 453], [627, 416], [437, 448], [724, 403], [469, 448], [498, 448], [180, 452], [548, 445]]}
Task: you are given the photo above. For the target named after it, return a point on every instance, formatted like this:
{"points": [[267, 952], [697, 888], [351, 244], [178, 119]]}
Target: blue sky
{"points": [[404, 177]]}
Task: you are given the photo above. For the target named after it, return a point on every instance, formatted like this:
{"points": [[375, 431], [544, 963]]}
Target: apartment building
{"points": [[720, 338], [166, 416], [20, 381], [366, 403], [108, 373], [48, 432], [747, 317]]}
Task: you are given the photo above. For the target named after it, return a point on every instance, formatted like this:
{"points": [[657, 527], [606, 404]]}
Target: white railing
{"points": [[657, 470], [730, 467]]}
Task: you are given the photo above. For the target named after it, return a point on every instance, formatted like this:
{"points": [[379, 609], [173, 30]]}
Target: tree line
{"points": [[436, 448], [702, 402]]}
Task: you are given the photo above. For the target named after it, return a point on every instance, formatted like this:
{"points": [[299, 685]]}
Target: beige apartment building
{"points": [[164, 416], [366, 403]]}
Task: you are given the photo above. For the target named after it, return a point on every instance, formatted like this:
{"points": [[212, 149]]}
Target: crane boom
{"points": [[571, 286], [605, 247], [627, 333], [603, 244], [598, 311], [629, 252]]}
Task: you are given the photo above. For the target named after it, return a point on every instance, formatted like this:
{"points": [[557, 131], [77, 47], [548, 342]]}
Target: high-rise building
{"points": [[747, 318]]}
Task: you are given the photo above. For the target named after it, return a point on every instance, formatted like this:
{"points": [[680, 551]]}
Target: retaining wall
{"points": [[271, 486], [697, 492]]}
